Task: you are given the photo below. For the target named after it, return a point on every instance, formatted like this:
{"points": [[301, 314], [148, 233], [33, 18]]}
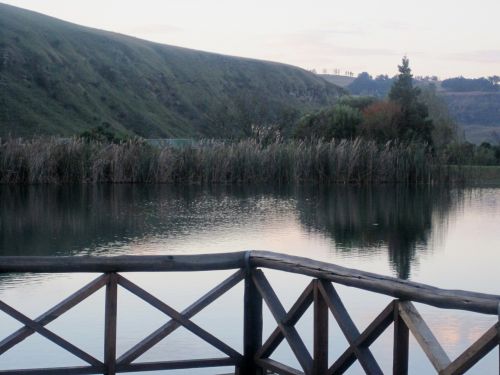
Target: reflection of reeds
{"points": [[52, 160]]}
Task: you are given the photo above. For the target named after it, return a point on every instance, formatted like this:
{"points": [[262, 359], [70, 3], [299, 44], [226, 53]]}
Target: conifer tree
{"points": [[415, 124]]}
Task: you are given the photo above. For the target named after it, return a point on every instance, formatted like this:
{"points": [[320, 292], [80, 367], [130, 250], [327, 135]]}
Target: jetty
{"points": [[250, 268]]}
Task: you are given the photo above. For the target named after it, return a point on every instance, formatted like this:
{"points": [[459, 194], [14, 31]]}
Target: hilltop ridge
{"points": [[58, 78]]}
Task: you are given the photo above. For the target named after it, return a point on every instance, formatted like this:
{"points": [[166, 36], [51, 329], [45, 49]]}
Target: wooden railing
{"points": [[255, 358]]}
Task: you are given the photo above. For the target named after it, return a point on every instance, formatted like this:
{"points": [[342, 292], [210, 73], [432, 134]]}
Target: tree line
{"points": [[396, 110], [365, 84], [402, 116], [461, 84]]}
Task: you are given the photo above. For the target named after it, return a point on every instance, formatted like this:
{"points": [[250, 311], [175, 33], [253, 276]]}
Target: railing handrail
{"points": [[122, 263], [391, 286]]}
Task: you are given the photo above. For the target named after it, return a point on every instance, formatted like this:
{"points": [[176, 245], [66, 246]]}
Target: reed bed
{"points": [[55, 160]]}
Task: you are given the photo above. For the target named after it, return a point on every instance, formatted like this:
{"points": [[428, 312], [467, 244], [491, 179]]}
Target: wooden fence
{"points": [[255, 358]]}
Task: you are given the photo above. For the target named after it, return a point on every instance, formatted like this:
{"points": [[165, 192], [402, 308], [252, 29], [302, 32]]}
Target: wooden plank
{"points": [[349, 329], [188, 324], [145, 366], [49, 335], [339, 311], [110, 313], [377, 327], [55, 312], [475, 352], [320, 332], [293, 316], [300, 306], [176, 365], [252, 327], [78, 370], [151, 340], [277, 367], [407, 290], [401, 344], [277, 310], [424, 336], [367, 337], [123, 263]]}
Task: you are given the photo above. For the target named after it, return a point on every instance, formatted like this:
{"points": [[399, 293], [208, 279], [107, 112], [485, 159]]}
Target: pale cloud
{"points": [[341, 30], [326, 41], [363, 51], [482, 56], [153, 29], [443, 37]]}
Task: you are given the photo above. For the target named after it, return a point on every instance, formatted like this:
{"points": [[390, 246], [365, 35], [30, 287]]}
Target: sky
{"points": [[446, 38]]}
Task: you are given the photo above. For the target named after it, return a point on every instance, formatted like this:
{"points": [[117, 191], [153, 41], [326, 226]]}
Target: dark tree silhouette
{"points": [[415, 124]]}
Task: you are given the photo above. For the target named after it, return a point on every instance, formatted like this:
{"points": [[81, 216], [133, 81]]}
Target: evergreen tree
{"points": [[415, 124]]}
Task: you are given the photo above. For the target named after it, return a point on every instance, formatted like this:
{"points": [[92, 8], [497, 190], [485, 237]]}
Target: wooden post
{"points": [[401, 344], [320, 360], [252, 327], [110, 324]]}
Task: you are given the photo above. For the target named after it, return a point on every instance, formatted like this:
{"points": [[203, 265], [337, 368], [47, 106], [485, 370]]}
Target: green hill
{"points": [[478, 113], [342, 81], [61, 78]]}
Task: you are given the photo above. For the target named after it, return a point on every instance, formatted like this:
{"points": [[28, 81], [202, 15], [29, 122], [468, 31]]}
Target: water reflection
{"points": [[63, 220], [384, 229], [48, 220], [368, 219]]}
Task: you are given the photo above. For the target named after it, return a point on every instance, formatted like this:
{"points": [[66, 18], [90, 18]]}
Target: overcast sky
{"points": [[441, 37]]}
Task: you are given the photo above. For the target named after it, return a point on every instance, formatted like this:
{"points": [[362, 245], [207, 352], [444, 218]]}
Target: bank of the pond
{"points": [[480, 175], [356, 161]]}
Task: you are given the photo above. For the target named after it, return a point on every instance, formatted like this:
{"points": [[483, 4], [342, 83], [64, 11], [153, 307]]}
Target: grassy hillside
{"points": [[478, 113], [481, 133], [342, 81], [60, 78]]}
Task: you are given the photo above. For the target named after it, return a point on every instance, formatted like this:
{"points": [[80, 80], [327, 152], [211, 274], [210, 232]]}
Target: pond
{"points": [[446, 237]]}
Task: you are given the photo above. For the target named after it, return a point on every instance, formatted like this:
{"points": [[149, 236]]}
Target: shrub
{"points": [[381, 121], [340, 122]]}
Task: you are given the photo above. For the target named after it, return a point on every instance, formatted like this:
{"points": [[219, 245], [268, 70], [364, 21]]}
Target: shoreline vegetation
{"points": [[248, 161]]}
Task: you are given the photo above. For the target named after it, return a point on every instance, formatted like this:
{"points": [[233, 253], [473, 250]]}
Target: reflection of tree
{"points": [[368, 218]]}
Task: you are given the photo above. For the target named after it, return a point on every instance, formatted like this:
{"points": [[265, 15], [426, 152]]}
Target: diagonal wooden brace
{"points": [[293, 316], [58, 340], [348, 327], [291, 335], [54, 312], [169, 327], [178, 317]]}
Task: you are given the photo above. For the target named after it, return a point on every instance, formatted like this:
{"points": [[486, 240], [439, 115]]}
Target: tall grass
{"points": [[53, 160]]}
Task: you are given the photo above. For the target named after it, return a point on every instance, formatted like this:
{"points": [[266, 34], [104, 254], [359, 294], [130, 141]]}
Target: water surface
{"points": [[445, 237]]}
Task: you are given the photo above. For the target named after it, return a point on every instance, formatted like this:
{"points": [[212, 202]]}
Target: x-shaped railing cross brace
{"points": [[358, 342], [38, 325], [32, 326]]}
